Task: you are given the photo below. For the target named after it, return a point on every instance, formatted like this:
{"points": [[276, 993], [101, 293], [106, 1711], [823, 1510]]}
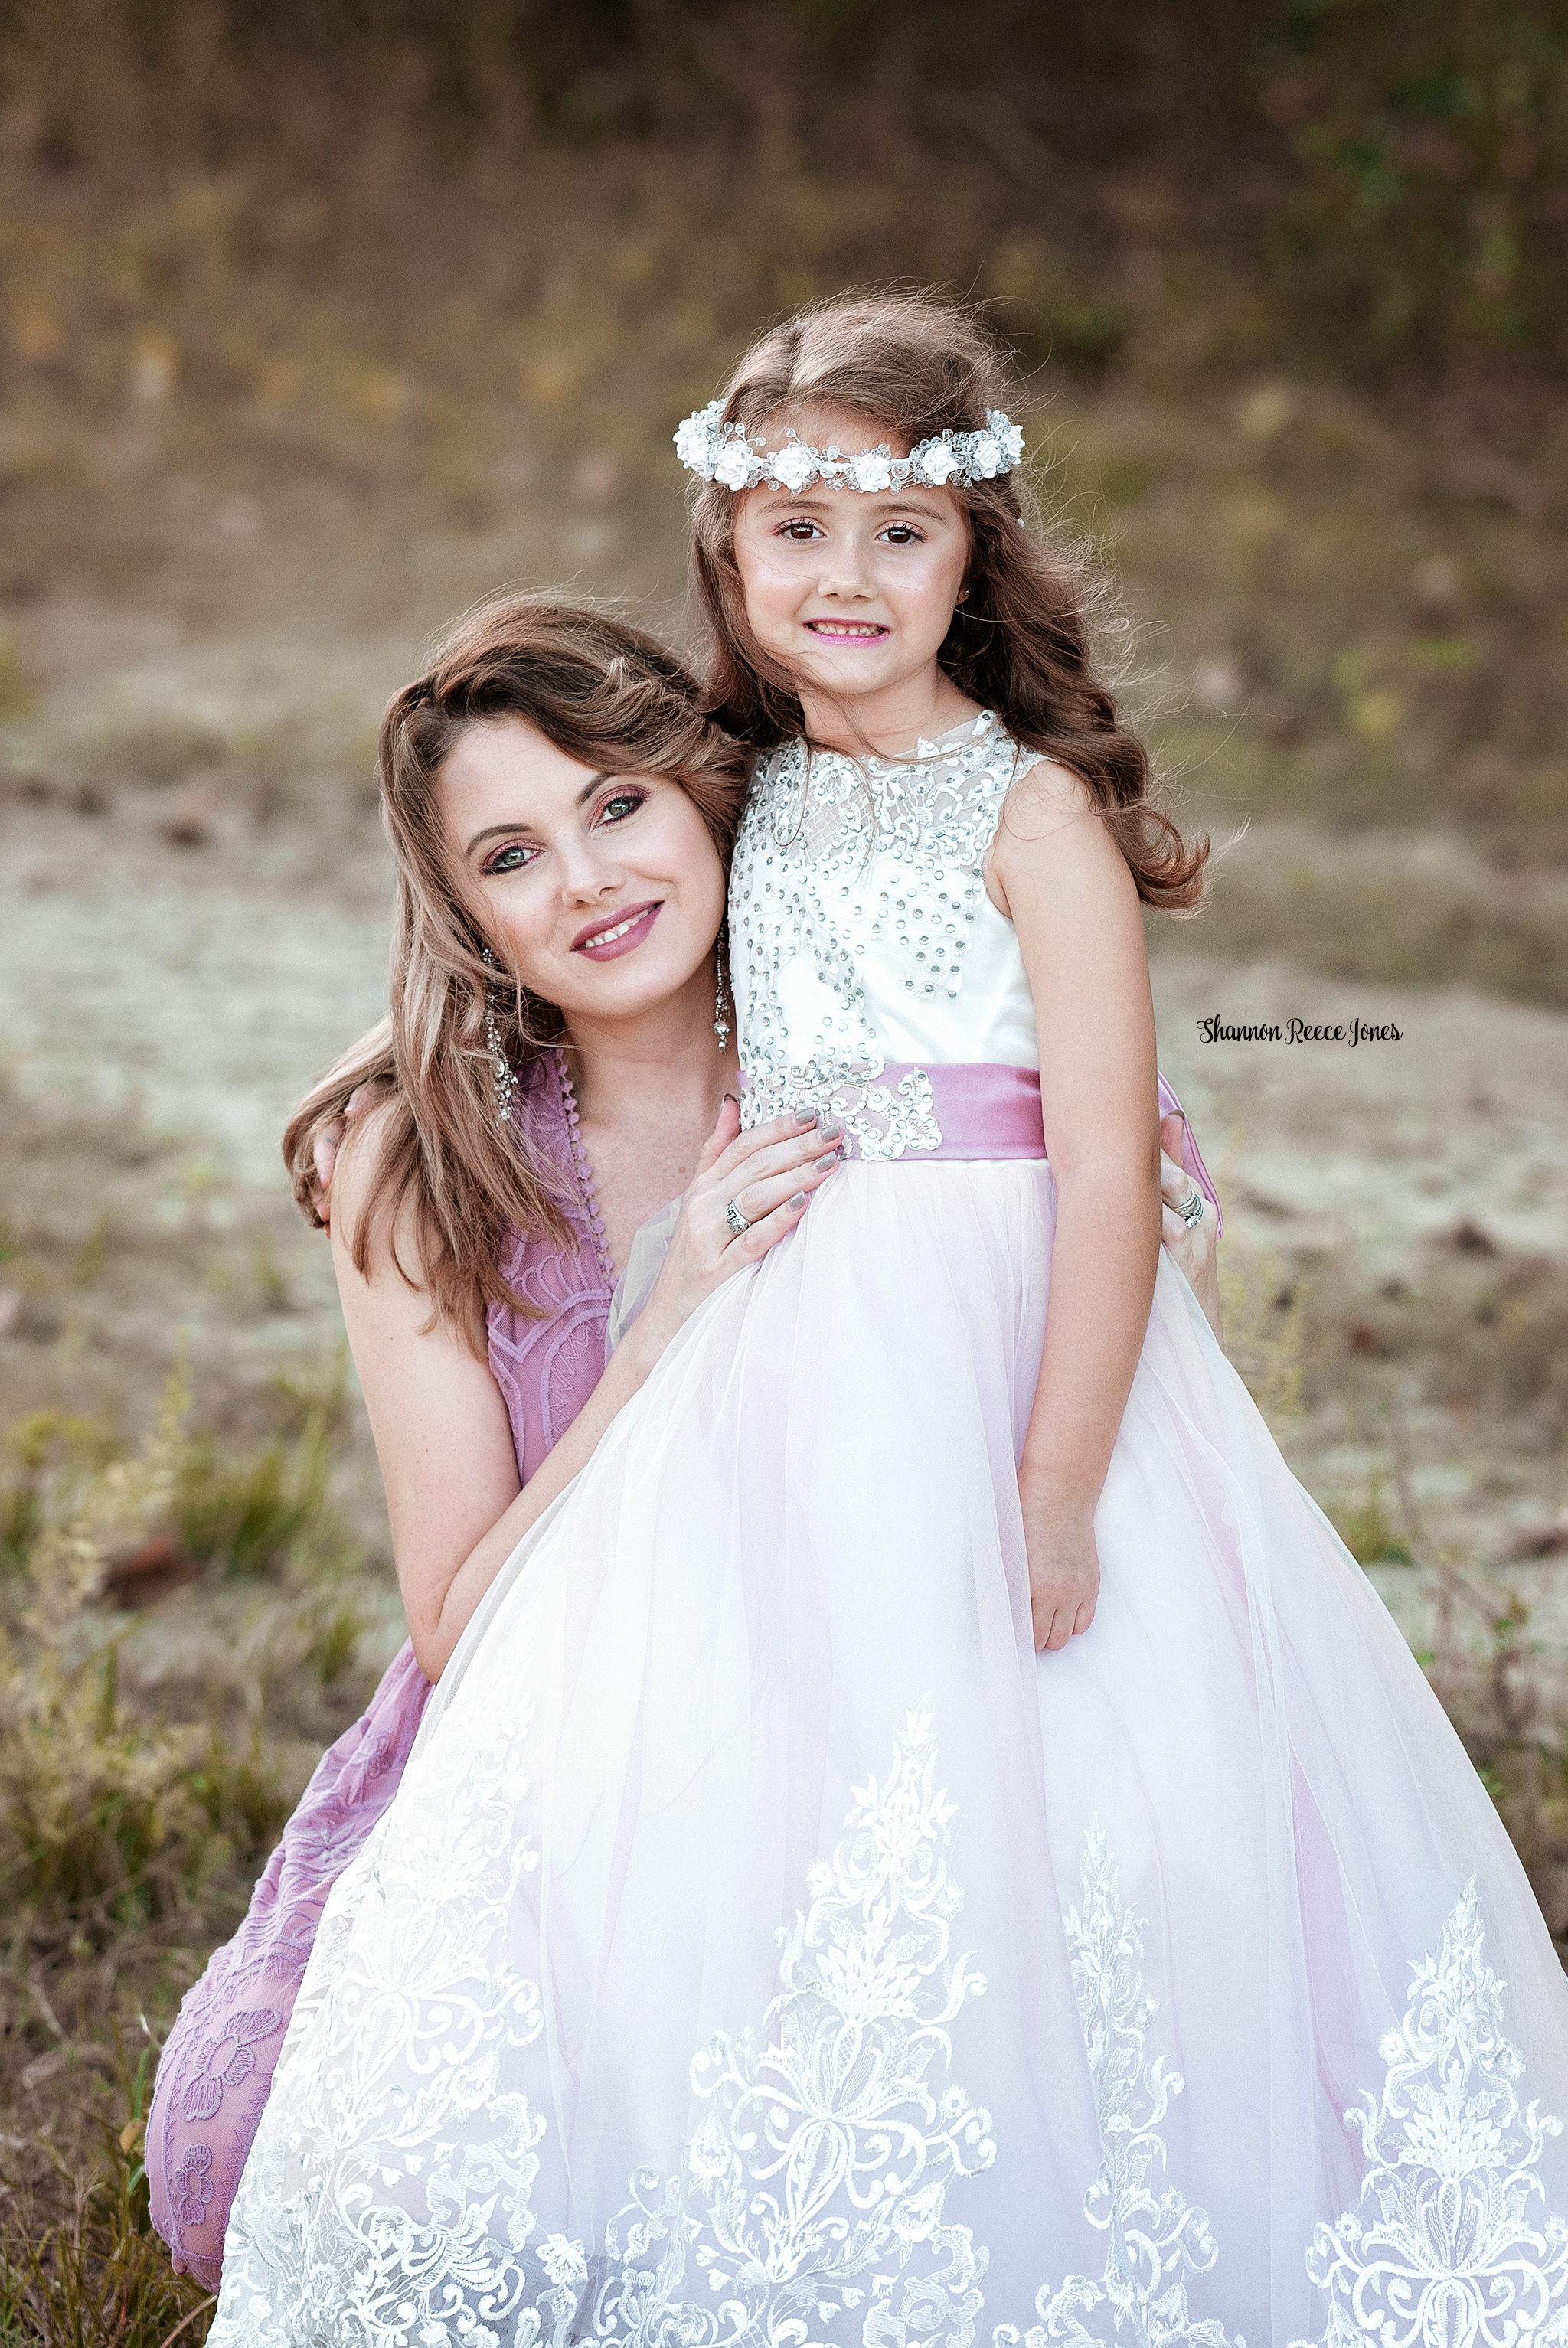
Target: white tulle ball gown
{"points": [[767, 1946]]}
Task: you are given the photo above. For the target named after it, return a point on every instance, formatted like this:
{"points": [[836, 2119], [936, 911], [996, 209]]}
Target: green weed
{"points": [[80, 2266], [1369, 1534], [107, 1821]]}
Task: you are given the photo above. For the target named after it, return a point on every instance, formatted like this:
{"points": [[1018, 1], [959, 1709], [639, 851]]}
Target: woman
{"points": [[537, 1242]]}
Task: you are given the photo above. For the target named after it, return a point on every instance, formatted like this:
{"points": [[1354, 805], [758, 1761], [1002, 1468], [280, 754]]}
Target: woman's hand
{"points": [[1064, 1564], [770, 1174], [1193, 1250], [326, 1143]]}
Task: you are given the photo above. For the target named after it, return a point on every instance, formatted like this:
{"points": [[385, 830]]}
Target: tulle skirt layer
{"points": [[766, 1945]]}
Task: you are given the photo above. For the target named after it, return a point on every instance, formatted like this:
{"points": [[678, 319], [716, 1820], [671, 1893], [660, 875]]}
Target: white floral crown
{"points": [[724, 452]]}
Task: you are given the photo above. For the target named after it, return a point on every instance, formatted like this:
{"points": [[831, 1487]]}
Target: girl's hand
{"points": [[1064, 1564], [1194, 1250], [770, 1174]]}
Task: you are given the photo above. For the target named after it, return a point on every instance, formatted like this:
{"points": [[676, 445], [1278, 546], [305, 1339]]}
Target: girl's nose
{"points": [[846, 571]]}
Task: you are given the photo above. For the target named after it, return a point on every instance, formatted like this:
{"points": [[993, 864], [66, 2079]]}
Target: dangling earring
{"points": [[502, 1070], [721, 996]]}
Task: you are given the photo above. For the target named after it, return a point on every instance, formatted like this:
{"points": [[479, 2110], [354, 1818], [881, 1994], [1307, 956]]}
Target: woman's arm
{"points": [[1060, 877], [442, 1435]]}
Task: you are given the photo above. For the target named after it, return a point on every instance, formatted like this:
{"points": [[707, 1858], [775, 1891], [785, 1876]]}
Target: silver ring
{"points": [[738, 1223], [1192, 1209]]}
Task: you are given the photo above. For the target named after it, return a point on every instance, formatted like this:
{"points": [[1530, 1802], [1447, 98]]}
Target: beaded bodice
{"points": [[546, 1369], [861, 933]]}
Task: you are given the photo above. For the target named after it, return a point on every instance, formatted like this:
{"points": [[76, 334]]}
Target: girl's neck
{"points": [[914, 709]]}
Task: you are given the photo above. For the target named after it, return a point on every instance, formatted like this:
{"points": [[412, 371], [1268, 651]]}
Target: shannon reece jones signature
{"points": [[1218, 1029]]}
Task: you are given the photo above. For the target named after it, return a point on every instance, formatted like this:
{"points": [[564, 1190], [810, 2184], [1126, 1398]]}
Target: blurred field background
{"points": [[316, 323]]}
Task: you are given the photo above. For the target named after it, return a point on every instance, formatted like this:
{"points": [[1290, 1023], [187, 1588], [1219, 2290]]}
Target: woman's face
{"points": [[603, 892]]}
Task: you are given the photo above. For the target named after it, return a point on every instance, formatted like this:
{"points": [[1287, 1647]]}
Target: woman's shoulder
{"points": [[374, 1223]]}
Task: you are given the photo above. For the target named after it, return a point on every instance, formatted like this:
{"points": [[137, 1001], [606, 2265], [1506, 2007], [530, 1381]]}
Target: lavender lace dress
{"points": [[217, 2066]]}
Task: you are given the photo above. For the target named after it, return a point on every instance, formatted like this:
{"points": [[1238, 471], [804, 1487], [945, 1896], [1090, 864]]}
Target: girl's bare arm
{"points": [[1058, 874]]}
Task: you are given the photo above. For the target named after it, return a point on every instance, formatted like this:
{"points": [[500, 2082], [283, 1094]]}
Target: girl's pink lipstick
{"points": [[835, 632], [617, 932]]}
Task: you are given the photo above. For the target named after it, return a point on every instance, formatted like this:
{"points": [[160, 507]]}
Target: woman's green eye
{"points": [[623, 804], [509, 859]]}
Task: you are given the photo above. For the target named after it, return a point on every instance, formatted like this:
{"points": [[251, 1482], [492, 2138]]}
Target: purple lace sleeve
{"points": [[217, 2065]]}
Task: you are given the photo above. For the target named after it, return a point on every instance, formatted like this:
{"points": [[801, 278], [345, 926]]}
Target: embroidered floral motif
{"points": [[1157, 2239], [885, 1123], [818, 2180], [224, 2062], [1452, 2242], [194, 2185]]}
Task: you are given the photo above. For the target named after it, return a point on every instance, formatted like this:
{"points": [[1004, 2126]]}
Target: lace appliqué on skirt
{"points": [[810, 2202], [1157, 2238], [815, 2186], [1451, 2241]]}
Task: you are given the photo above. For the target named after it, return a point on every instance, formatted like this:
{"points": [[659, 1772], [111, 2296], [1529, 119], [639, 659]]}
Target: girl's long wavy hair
{"points": [[1020, 643], [448, 1174]]}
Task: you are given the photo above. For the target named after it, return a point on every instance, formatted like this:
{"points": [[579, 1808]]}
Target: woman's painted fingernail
{"points": [[830, 1157], [831, 1130], [799, 1200]]}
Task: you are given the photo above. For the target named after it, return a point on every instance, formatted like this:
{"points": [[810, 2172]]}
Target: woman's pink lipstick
{"points": [[618, 933]]}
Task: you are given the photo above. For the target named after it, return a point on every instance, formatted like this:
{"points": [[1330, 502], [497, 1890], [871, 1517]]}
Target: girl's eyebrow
{"points": [[830, 501], [492, 831]]}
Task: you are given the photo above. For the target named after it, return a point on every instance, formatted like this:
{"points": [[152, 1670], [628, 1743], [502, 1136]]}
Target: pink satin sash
{"points": [[968, 1110]]}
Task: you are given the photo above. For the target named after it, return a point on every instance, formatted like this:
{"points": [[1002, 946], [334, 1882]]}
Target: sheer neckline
{"points": [[927, 747], [580, 1166]]}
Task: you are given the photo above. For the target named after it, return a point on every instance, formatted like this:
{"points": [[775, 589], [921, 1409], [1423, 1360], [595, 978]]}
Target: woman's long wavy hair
{"points": [[1020, 642], [450, 1176]]}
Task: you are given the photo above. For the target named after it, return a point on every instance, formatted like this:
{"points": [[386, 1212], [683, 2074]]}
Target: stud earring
{"points": [[503, 1075], [722, 998]]}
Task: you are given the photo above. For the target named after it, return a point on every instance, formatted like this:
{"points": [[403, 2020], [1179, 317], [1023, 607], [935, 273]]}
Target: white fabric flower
{"points": [[938, 460], [873, 472], [793, 466], [1011, 436], [732, 466], [692, 440], [987, 457]]}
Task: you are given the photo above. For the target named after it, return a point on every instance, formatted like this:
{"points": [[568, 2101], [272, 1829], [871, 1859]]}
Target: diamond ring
{"points": [[738, 1223], [1192, 1209]]}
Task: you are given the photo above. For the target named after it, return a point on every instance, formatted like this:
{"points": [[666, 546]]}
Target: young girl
{"points": [[931, 1832]]}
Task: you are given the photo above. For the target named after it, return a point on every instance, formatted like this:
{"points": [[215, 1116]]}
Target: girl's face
{"points": [[853, 592], [603, 892]]}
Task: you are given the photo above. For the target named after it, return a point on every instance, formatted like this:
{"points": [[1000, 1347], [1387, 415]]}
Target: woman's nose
{"points": [[586, 875]]}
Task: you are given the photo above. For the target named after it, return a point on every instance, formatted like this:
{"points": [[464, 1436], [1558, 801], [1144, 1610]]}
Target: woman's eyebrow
{"points": [[491, 830]]}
